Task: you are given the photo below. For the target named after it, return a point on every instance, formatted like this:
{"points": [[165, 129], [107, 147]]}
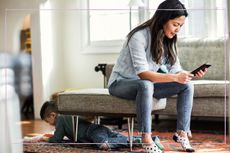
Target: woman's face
{"points": [[172, 27]]}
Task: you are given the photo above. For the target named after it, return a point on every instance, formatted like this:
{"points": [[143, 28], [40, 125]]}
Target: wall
{"points": [[78, 67], [63, 64], [51, 49]]}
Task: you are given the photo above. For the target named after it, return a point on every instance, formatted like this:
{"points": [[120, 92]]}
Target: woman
{"points": [[148, 66]]}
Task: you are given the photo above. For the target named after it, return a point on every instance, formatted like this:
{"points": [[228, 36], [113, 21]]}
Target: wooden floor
{"points": [[35, 127]]}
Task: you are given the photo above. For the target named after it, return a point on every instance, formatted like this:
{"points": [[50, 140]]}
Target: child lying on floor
{"points": [[101, 136]]}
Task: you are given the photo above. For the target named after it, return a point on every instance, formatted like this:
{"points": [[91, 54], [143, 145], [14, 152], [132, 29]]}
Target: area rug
{"points": [[203, 143]]}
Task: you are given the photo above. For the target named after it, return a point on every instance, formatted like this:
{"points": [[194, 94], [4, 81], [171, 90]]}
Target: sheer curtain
{"points": [[10, 129]]}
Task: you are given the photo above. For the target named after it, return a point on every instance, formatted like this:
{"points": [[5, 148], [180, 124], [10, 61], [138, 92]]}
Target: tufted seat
{"points": [[98, 102]]}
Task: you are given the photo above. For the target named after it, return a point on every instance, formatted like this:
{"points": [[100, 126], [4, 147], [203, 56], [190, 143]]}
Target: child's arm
{"points": [[59, 132]]}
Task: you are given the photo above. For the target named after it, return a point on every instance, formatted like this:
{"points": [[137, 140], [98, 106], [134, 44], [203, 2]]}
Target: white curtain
{"points": [[10, 129]]}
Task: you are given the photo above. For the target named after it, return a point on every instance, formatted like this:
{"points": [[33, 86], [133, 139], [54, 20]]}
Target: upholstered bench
{"points": [[98, 102]]}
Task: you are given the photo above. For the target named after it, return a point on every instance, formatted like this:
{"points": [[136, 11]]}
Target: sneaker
{"points": [[152, 148], [184, 143], [156, 140]]}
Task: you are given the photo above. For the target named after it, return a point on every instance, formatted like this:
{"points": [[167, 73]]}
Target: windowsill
{"points": [[101, 50], [103, 47]]}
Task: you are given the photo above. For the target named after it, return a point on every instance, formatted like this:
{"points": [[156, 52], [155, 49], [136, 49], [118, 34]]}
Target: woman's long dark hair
{"points": [[169, 9]]}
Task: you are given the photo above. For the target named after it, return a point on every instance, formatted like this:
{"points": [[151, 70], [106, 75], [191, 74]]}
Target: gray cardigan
{"points": [[136, 57]]}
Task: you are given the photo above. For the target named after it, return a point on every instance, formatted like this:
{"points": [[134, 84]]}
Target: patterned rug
{"points": [[203, 143]]}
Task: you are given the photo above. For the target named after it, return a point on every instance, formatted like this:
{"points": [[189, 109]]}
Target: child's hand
{"points": [[39, 138], [46, 137], [34, 139]]}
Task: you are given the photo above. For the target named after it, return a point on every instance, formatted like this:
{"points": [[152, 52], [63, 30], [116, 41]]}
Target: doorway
{"points": [[23, 71]]}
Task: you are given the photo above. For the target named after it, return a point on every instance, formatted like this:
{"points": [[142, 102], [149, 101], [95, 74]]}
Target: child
{"points": [[102, 136]]}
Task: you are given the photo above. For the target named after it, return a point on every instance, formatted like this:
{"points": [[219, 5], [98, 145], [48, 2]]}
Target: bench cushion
{"points": [[210, 88], [99, 102]]}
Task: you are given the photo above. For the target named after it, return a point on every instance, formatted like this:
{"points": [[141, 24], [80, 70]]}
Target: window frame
{"points": [[98, 47], [114, 46]]}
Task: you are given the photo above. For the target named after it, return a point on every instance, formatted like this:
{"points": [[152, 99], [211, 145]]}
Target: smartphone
{"points": [[202, 67]]}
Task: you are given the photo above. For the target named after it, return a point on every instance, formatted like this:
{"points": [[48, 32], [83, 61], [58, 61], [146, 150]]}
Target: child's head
{"points": [[49, 112]]}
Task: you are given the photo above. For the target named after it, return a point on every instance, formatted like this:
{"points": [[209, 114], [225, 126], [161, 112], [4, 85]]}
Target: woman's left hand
{"points": [[201, 73]]}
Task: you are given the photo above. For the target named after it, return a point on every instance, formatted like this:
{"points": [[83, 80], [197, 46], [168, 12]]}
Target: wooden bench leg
{"points": [[75, 127], [130, 131]]}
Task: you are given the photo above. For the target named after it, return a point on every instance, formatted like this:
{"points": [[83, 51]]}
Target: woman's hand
{"points": [[184, 77], [201, 73]]}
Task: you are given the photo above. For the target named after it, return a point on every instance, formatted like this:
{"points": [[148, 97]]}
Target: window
{"points": [[107, 22], [106, 26], [109, 19], [206, 17]]}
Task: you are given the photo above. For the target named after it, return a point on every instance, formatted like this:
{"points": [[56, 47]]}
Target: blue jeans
{"points": [[99, 134], [143, 91]]}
